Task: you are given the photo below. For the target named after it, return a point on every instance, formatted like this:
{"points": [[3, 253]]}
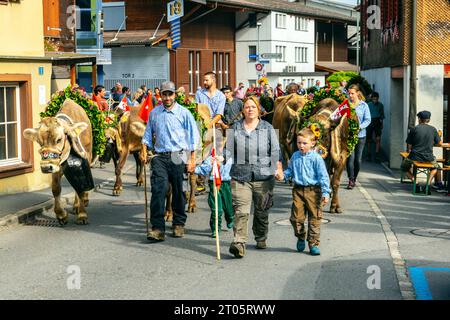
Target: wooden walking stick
{"points": [[216, 204], [145, 197]]}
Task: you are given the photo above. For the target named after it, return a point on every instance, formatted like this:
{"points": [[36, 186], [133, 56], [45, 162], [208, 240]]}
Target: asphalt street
{"points": [[114, 260]]}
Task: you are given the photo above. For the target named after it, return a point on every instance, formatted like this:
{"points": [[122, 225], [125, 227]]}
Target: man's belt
{"points": [[168, 153]]}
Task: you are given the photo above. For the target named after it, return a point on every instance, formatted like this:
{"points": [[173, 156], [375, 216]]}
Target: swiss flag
{"points": [[146, 108], [343, 109], [216, 169], [123, 105]]}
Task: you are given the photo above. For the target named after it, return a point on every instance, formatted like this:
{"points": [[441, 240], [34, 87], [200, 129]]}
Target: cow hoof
{"points": [[82, 219], [86, 203], [336, 210], [191, 209], [168, 216], [75, 210], [116, 192], [139, 184], [63, 220]]}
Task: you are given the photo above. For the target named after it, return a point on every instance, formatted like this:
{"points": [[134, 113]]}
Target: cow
{"points": [[288, 121], [69, 131], [285, 118]]}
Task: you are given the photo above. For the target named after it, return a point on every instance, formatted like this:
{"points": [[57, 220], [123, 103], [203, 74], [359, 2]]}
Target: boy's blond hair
{"points": [[307, 133]]}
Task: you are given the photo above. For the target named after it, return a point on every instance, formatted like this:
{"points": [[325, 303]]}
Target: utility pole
{"points": [[358, 34], [258, 25], [413, 62]]}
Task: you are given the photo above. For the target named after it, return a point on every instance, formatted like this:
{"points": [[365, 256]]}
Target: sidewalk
{"points": [[18, 207]]}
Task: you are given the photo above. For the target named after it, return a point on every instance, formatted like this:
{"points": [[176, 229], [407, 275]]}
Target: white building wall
{"points": [[430, 95], [392, 95], [270, 37]]}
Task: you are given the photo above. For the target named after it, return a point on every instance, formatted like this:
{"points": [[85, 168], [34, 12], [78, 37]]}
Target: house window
{"points": [[301, 54], [282, 50], [114, 15], [301, 24], [16, 153], [251, 53], [280, 22], [194, 71], [9, 125], [221, 64]]}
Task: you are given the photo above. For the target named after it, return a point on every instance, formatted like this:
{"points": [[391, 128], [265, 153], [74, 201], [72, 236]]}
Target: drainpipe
{"points": [[413, 62]]}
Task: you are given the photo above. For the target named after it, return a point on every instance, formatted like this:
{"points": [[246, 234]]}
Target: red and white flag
{"points": [[343, 109], [216, 169], [146, 108], [123, 105]]}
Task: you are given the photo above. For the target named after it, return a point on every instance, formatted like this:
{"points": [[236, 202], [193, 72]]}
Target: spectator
{"points": [[239, 92], [99, 98], [233, 107], [317, 85], [292, 88], [301, 89], [420, 142], [279, 90], [376, 125]]}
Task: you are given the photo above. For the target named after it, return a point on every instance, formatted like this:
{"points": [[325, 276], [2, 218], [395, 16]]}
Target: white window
{"points": [[10, 131], [251, 53], [191, 71], [301, 24], [282, 50], [280, 22], [197, 69], [301, 54]]}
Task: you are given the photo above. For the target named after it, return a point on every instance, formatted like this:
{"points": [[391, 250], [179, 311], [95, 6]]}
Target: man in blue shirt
{"points": [[376, 125], [176, 137]]}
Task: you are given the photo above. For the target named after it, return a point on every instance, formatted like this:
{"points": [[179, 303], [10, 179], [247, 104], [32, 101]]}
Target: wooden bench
{"points": [[420, 167]]}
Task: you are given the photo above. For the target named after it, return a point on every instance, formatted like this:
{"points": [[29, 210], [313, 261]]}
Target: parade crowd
{"points": [[248, 157]]}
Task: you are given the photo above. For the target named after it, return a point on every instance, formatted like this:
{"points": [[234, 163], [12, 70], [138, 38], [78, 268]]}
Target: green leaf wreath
{"points": [[312, 106], [191, 105], [97, 117]]}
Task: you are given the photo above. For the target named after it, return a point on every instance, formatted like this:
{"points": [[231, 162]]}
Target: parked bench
{"points": [[421, 167]]}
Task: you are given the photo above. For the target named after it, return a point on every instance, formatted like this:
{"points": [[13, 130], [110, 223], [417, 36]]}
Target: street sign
{"points": [[253, 56], [271, 55], [264, 61], [259, 66], [175, 10]]}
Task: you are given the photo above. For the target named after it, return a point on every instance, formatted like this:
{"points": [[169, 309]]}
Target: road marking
{"points": [[404, 282], [420, 282]]}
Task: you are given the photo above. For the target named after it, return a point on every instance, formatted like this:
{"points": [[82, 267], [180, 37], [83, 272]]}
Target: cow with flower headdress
{"points": [[335, 124]]}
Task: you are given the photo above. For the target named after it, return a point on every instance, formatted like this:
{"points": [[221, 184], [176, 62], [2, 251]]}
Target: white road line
{"points": [[404, 282]]}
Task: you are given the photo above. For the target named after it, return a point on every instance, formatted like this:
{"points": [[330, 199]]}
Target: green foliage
{"points": [[96, 117], [337, 77], [366, 89], [311, 107], [191, 105]]}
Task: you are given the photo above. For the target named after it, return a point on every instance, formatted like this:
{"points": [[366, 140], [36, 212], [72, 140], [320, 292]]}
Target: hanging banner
{"points": [[175, 33]]}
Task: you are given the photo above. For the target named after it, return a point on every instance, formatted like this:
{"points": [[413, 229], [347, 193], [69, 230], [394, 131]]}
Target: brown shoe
{"points": [[261, 244], [178, 231], [237, 249], [156, 235]]}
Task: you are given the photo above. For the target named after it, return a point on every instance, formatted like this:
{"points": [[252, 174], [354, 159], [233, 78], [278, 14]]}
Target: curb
{"points": [[22, 216]]}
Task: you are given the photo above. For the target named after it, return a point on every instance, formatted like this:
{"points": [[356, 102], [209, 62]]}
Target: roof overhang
{"points": [[55, 58], [331, 67], [133, 38]]}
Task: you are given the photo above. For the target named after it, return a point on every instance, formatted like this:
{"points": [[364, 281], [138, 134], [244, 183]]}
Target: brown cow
{"points": [[285, 118], [69, 130], [288, 121]]}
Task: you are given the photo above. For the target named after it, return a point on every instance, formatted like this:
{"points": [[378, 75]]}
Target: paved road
{"points": [[116, 261]]}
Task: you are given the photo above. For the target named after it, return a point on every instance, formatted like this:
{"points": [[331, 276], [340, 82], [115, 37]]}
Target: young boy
{"points": [[223, 194], [311, 190]]}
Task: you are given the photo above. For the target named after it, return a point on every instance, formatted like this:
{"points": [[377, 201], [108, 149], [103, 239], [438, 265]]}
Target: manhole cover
{"points": [[128, 203], [287, 222], [432, 233], [43, 223]]}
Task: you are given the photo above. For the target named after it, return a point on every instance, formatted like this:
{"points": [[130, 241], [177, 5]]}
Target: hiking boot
{"points": [[261, 244], [156, 235], [301, 245], [237, 249], [314, 251], [351, 184], [178, 231]]}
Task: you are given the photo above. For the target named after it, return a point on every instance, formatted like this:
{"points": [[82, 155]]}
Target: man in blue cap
{"points": [[420, 141]]}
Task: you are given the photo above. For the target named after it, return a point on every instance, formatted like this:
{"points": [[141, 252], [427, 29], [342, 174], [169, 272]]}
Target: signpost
{"points": [[271, 55], [259, 66], [264, 61]]}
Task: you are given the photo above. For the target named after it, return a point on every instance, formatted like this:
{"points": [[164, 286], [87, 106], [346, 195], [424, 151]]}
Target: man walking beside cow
{"points": [[176, 138]]}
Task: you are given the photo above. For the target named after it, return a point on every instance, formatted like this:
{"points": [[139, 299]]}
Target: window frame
{"points": [[280, 21], [249, 53], [26, 151]]}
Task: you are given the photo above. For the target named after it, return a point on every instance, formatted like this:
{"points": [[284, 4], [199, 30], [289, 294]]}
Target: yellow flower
{"points": [[316, 130]]}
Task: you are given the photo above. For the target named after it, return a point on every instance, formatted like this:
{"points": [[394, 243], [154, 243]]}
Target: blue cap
{"points": [[424, 115]]}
